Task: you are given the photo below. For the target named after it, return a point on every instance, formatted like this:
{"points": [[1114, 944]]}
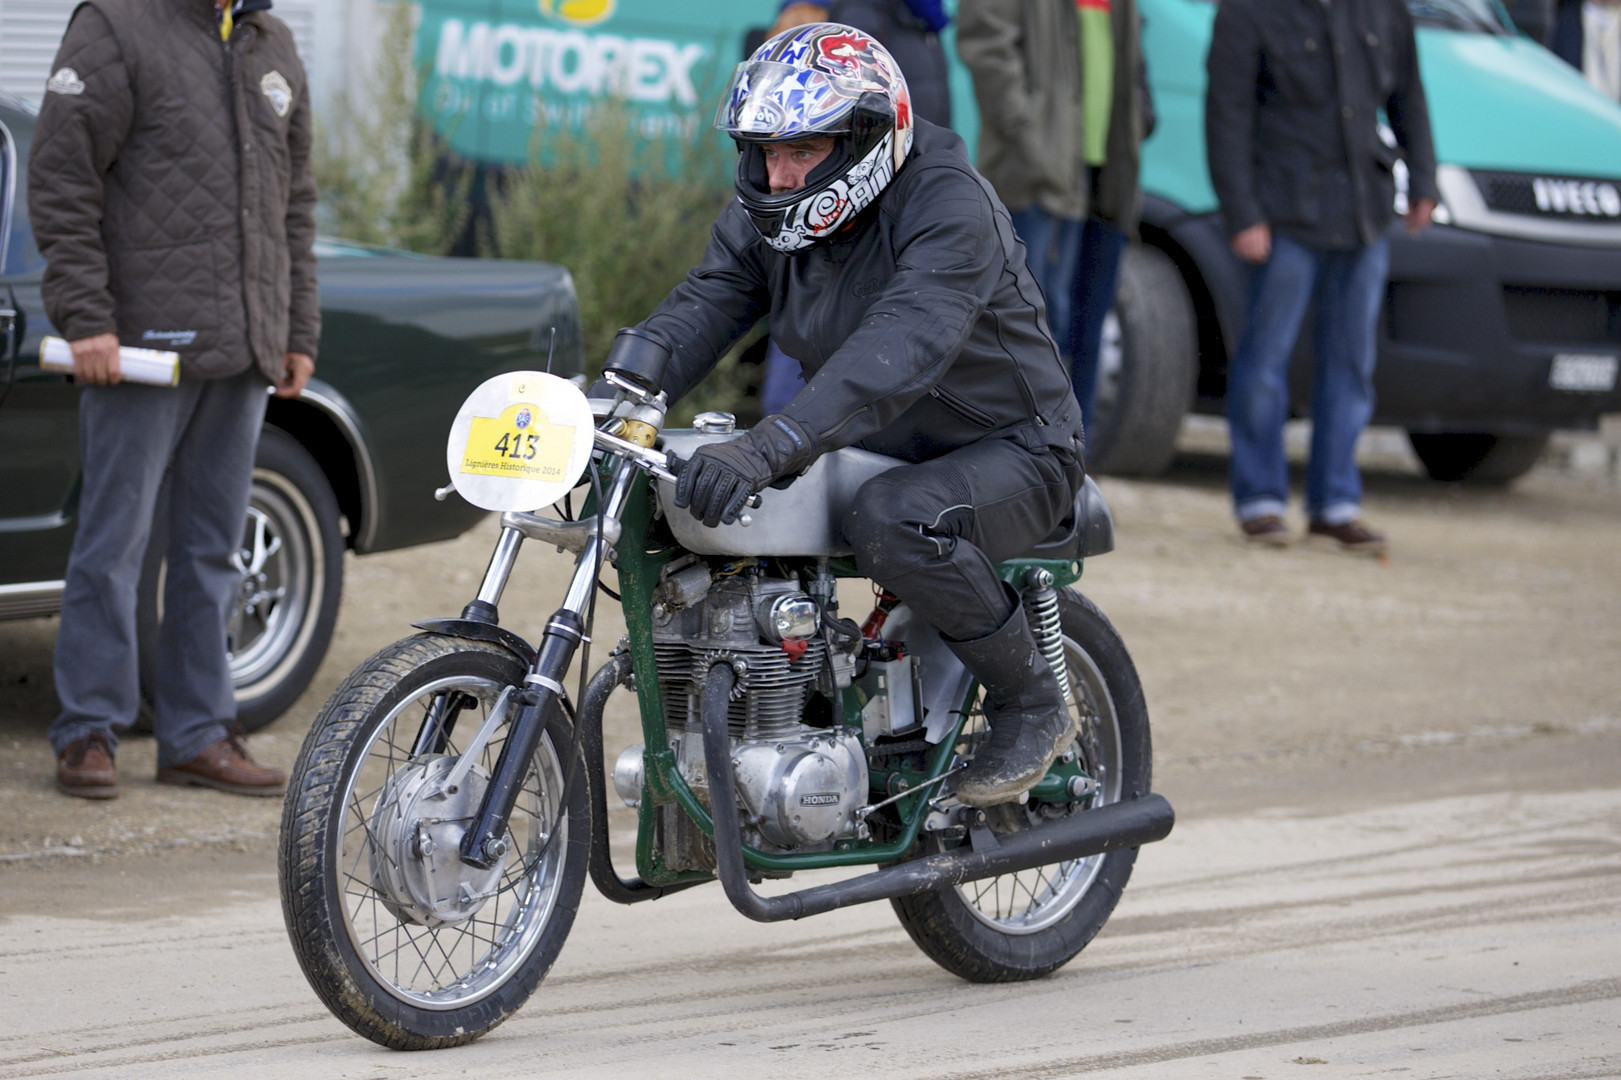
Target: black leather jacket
{"points": [[1291, 117], [919, 329]]}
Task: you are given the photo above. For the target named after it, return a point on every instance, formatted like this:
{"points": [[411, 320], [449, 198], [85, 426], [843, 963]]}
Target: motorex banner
{"points": [[497, 73]]}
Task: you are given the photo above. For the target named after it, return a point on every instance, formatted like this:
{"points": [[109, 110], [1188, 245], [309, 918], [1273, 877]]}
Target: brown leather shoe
{"points": [[1351, 536], [226, 765], [85, 768], [1268, 530]]}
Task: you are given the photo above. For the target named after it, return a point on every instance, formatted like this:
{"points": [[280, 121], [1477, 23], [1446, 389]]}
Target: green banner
{"points": [[499, 73]]}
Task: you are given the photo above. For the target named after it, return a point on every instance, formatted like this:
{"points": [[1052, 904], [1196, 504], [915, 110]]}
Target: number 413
{"points": [[520, 447]]}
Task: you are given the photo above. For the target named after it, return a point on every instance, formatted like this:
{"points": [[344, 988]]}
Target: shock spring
{"points": [[1041, 610]]}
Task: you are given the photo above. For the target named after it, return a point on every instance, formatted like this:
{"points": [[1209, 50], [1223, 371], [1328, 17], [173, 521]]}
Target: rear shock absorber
{"points": [[1041, 610]]}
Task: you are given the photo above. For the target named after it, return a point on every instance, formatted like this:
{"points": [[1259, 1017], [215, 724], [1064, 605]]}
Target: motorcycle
{"points": [[450, 799]]}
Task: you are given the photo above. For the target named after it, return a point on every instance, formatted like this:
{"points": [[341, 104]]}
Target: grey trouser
{"points": [[933, 533], [204, 433]]}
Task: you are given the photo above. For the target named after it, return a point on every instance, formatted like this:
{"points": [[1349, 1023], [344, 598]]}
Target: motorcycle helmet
{"points": [[820, 79]]}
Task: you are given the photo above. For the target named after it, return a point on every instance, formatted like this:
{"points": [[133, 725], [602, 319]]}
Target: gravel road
{"points": [[1399, 795]]}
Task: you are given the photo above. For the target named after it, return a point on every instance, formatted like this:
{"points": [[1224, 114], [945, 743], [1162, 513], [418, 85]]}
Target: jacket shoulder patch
{"points": [[65, 81], [274, 87]]}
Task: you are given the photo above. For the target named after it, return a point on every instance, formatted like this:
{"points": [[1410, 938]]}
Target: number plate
{"points": [[520, 441], [1583, 373]]}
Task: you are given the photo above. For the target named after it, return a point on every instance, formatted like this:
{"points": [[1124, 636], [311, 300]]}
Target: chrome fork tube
{"points": [[1041, 611], [485, 843], [502, 560], [585, 571]]}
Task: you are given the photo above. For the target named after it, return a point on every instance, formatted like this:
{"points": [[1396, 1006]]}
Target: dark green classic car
{"points": [[352, 463]]}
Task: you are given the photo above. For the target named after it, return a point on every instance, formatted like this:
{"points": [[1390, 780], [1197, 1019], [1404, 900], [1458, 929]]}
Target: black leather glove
{"points": [[717, 480]]}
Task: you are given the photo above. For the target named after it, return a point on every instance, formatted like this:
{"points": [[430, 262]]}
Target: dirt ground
{"points": [[1398, 787], [1481, 652]]}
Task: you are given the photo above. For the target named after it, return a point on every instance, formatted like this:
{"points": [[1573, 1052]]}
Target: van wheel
{"points": [[291, 560], [1477, 458], [1148, 368]]}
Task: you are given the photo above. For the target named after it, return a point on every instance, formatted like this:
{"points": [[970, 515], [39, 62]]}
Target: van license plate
{"points": [[1583, 373]]}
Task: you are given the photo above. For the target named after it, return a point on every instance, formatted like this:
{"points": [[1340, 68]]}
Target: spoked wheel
{"points": [[407, 944], [1026, 924]]}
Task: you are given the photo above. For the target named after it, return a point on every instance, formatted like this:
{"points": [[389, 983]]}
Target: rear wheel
{"points": [[404, 942], [1027, 924], [1477, 458]]}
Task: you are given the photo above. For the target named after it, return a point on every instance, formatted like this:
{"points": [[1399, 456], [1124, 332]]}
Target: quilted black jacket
{"points": [[1291, 117], [919, 328], [170, 189]]}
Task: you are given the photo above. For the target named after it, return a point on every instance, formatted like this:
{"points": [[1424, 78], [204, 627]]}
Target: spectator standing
{"points": [[1306, 187], [1587, 35], [171, 193], [1063, 110]]}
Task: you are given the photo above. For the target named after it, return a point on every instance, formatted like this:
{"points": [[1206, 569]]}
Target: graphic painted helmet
{"points": [[821, 79]]}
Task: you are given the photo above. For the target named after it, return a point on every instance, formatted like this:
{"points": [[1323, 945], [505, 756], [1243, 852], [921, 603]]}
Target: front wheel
{"points": [[404, 942], [1027, 924]]}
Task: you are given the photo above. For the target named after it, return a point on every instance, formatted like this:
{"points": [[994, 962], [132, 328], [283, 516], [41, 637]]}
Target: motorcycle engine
{"points": [[798, 785]]}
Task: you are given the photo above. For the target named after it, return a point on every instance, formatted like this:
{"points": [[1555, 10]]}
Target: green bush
{"points": [[378, 169], [625, 219]]}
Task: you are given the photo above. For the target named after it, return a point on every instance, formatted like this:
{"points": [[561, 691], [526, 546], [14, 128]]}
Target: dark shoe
{"points": [[226, 765], [1267, 529], [85, 768], [1352, 536], [1030, 721]]}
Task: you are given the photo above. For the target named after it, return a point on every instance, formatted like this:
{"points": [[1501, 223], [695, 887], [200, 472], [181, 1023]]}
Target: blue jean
{"points": [[1052, 247], [203, 434], [1348, 288], [1090, 300]]}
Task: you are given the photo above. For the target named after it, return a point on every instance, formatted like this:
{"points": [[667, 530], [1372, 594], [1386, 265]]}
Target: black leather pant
{"points": [[932, 533]]}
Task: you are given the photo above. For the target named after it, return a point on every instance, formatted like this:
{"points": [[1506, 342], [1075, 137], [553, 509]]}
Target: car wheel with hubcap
{"points": [[291, 566]]}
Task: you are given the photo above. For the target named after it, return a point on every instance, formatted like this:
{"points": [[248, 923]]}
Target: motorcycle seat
{"points": [[1087, 531]]}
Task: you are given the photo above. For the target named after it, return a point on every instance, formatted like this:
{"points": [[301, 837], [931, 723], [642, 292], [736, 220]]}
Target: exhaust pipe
{"points": [[1108, 828], [631, 890]]}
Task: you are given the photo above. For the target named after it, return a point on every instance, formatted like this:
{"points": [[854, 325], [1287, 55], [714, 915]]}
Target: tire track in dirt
{"points": [[706, 991]]}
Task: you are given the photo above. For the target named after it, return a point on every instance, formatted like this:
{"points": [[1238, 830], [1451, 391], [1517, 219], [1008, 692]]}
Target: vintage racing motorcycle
{"points": [[450, 798]]}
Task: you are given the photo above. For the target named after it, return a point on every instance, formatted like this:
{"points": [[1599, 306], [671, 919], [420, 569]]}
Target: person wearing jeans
{"points": [[1348, 287], [1306, 182], [1064, 107]]}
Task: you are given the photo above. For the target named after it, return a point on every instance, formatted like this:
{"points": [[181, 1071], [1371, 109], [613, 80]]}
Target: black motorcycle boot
{"points": [[1030, 721]]}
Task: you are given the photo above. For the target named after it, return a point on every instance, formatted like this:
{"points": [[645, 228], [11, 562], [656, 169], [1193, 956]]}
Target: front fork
{"points": [[484, 844]]}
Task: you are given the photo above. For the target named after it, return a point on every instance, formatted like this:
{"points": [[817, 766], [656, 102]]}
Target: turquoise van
{"points": [[1502, 322]]}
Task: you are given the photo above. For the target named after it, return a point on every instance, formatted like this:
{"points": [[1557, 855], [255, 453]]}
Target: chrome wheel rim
{"points": [[451, 965], [282, 564], [1030, 901]]}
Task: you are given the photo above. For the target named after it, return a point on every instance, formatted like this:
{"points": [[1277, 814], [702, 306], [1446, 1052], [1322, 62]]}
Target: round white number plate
{"points": [[521, 441]]}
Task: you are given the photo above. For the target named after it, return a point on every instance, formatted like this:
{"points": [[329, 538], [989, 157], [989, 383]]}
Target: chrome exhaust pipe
{"points": [[1107, 828]]}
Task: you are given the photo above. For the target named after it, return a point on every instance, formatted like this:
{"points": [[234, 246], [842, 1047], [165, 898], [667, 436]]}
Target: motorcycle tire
{"points": [[1025, 925], [404, 942]]}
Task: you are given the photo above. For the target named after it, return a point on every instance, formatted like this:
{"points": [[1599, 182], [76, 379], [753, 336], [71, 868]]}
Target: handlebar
{"points": [[658, 463], [654, 461]]}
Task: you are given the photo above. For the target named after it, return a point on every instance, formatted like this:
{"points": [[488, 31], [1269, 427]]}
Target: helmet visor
{"points": [[768, 101]]}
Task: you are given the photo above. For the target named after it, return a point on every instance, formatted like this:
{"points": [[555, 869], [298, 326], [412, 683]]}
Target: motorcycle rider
{"points": [[890, 269]]}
